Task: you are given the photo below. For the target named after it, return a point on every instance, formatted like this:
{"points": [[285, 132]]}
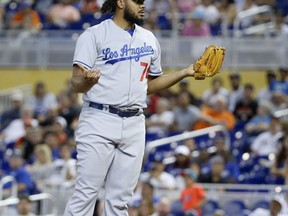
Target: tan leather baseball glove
{"points": [[209, 63]]}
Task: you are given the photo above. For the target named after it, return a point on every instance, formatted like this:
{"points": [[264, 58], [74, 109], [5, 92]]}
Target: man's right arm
{"points": [[84, 79]]}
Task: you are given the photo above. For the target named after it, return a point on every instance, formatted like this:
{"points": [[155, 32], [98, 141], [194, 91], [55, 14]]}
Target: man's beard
{"points": [[130, 17]]}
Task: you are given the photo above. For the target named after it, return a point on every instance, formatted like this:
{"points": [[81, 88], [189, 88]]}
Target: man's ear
{"points": [[120, 4]]}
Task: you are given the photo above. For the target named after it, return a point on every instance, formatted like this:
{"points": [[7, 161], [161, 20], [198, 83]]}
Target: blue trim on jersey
{"points": [[113, 61], [154, 73], [75, 62], [130, 31]]}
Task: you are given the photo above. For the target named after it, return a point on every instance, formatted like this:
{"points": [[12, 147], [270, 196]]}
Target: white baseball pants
{"points": [[110, 150]]}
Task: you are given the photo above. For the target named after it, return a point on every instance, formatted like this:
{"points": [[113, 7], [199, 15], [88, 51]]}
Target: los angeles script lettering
{"points": [[125, 51]]}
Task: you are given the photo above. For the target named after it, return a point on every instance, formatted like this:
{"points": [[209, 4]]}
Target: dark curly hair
{"points": [[109, 6]]}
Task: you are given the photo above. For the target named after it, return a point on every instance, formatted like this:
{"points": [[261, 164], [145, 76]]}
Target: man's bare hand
{"points": [[92, 76]]}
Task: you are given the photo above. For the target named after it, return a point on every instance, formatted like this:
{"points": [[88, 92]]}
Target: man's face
{"points": [[134, 11]]}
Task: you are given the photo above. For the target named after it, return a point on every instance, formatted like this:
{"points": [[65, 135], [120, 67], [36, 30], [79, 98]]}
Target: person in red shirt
{"points": [[193, 196]]}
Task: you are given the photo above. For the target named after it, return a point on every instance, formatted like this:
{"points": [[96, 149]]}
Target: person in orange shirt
{"points": [[219, 112], [26, 18], [193, 196]]}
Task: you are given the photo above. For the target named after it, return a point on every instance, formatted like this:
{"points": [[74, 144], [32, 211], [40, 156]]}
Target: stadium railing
{"points": [[211, 131], [265, 28], [55, 49], [8, 180], [48, 204]]}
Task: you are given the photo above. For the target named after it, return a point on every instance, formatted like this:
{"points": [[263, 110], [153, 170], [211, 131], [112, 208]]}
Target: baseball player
{"points": [[116, 64]]}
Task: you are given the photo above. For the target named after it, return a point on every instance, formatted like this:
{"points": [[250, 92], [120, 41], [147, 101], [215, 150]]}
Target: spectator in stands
{"points": [[278, 168], [228, 12], [163, 207], [231, 166], [33, 137], [281, 25], [69, 108], [217, 173], [160, 122], [63, 13], [19, 172], [42, 167], [187, 115], [186, 6], [17, 128], [43, 103], [89, 6], [24, 207], [266, 92], [42, 6], [13, 112], [165, 10], [195, 25], [184, 87], [248, 21], [218, 112], [281, 84], [246, 108], [190, 143], [157, 176], [193, 196], [59, 126], [145, 200], [274, 209], [216, 89], [236, 92], [26, 18], [211, 15], [64, 167], [151, 22], [260, 122], [52, 140], [279, 101], [267, 142], [182, 162]]}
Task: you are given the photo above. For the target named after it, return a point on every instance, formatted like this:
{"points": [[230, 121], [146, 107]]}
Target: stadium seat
{"points": [[176, 208], [260, 204], [234, 207], [209, 208]]}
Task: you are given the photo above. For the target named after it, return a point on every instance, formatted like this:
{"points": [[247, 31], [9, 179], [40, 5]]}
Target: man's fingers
{"points": [[93, 75]]}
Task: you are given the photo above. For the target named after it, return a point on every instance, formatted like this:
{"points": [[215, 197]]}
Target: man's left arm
{"points": [[156, 84]]}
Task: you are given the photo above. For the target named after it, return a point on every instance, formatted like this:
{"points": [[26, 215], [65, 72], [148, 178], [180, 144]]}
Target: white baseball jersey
{"points": [[124, 61]]}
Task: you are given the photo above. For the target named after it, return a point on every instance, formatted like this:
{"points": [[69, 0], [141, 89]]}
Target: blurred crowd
{"points": [[38, 149], [202, 18]]}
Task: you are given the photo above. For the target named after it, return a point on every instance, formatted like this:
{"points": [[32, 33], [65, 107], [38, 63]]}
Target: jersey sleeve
{"points": [[85, 50], [155, 67]]}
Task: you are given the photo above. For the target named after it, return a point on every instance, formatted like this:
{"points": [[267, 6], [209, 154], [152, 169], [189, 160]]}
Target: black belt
{"points": [[114, 110]]}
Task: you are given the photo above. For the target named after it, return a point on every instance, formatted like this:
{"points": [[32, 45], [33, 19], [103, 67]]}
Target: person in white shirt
{"points": [[274, 209], [64, 168], [216, 89], [157, 177], [267, 142], [161, 121]]}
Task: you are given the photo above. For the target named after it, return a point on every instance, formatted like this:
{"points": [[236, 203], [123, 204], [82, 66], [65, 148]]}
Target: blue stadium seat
{"points": [[234, 207], [209, 208], [176, 208], [260, 204]]}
